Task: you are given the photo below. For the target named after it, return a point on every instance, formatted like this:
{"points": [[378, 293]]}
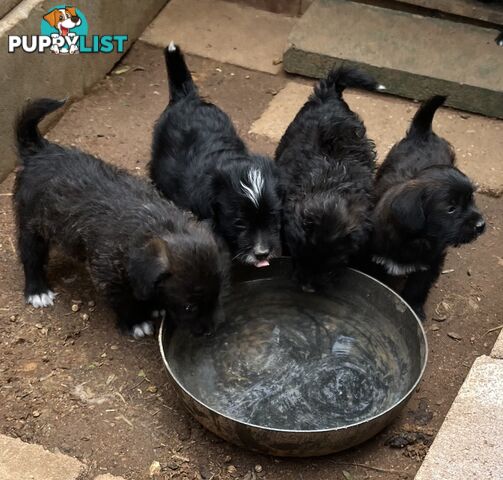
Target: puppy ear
{"points": [[72, 11], [52, 18], [147, 264], [407, 209]]}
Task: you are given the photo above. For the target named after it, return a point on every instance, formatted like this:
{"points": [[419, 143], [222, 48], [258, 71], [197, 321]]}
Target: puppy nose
{"points": [[75, 19], [480, 226], [261, 252]]}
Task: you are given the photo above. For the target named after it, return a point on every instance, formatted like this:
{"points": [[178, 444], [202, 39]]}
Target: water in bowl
{"points": [[293, 360]]}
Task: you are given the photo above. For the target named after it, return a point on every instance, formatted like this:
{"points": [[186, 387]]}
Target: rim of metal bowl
{"points": [[322, 430]]}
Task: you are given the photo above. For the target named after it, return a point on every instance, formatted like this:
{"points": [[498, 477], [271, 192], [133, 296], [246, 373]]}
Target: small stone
{"points": [[85, 317], [173, 465], [155, 469], [454, 335], [434, 328], [39, 326], [36, 413], [277, 61], [469, 272], [258, 468], [91, 303], [227, 459], [231, 470], [13, 318], [114, 347], [103, 355], [152, 389], [464, 116], [247, 77], [218, 69], [75, 307]]}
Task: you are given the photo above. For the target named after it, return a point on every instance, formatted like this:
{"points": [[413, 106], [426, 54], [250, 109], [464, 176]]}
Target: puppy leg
{"points": [[418, 284], [34, 252], [133, 317]]}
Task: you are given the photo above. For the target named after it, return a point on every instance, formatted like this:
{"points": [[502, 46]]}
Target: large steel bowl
{"points": [[291, 373]]}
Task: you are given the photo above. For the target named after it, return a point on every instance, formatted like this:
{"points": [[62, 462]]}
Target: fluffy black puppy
{"points": [[425, 204], [199, 162], [327, 165], [143, 253]]}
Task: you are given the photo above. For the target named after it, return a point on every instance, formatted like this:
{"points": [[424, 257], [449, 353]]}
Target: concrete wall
{"points": [[24, 75]]}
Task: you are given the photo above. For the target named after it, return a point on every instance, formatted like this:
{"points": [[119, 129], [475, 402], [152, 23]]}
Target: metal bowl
{"points": [[291, 373]]}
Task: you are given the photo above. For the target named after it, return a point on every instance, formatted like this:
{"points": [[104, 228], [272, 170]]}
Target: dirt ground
{"points": [[70, 381]]}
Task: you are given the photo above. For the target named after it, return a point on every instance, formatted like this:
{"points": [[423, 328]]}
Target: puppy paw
{"points": [[143, 329], [41, 300]]}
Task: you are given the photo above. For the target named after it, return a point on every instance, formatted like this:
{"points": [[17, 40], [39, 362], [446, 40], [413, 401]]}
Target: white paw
{"points": [[74, 49], [171, 46], [41, 300], [141, 330]]}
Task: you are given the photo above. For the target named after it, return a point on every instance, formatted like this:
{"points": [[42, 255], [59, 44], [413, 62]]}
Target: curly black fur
{"points": [[199, 162], [143, 253], [424, 205], [327, 165]]}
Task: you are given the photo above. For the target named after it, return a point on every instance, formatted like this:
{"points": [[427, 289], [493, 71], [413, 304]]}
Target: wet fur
{"points": [[143, 253]]}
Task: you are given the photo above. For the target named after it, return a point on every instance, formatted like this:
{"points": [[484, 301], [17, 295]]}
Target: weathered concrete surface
{"points": [[478, 141], [497, 351], [288, 7], [26, 75], [468, 445], [24, 461], [107, 476], [7, 5], [464, 8], [414, 56], [223, 31]]}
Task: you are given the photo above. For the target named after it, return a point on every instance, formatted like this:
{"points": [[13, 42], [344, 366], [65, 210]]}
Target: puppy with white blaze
{"points": [[200, 163], [424, 205], [327, 165], [143, 253]]}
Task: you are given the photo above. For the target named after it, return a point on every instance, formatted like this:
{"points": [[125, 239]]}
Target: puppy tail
{"points": [[180, 79], [340, 78], [28, 136], [421, 123]]}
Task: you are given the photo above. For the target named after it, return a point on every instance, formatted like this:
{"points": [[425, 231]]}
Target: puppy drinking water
{"points": [[425, 204], [142, 252], [199, 162], [327, 165]]}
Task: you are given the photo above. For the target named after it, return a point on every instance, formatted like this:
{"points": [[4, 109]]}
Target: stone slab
{"points": [[497, 351], [7, 5], [478, 141], [486, 12], [468, 445], [223, 31], [413, 55], [107, 476], [26, 75], [24, 461]]}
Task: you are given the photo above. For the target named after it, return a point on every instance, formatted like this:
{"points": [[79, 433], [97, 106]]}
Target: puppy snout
{"points": [[261, 252], [75, 18], [480, 226]]}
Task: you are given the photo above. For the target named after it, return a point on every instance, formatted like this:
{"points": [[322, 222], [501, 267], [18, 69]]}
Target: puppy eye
{"points": [[451, 209]]}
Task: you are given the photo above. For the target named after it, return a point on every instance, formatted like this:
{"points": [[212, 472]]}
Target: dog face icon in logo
{"points": [[64, 19]]}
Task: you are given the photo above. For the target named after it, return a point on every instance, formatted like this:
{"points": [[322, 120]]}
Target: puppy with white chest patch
{"points": [[327, 165], [199, 162], [424, 205], [143, 253]]}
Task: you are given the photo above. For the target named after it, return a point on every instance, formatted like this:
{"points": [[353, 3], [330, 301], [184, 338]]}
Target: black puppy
{"points": [[327, 165], [199, 162], [425, 204], [143, 253]]}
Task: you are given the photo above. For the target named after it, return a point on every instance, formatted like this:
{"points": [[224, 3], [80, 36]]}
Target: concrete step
{"points": [[412, 55], [223, 31], [468, 445]]}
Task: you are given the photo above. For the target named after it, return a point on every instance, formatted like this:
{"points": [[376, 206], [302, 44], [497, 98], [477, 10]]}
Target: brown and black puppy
{"points": [[143, 253], [327, 165], [424, 205]]}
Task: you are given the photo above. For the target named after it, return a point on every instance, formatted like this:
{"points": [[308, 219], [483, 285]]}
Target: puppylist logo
{"points": [[64, 30]]}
